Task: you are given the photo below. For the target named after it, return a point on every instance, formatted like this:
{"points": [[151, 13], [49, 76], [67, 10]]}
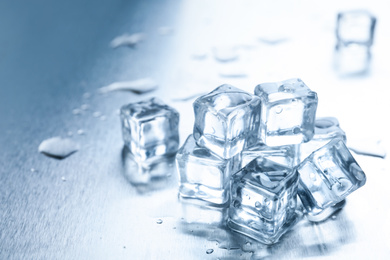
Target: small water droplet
{"points": [[96, 114], [63, 178], [236, 204], [76, 111], [33, 170], [58, 147], [86, 95], [130, 40], [258, 205], [278, 110], [159, 221], [248, 243], [84, 107], [209, 251], [296, 130], [138, 86], [334, 217], [80, 132]]}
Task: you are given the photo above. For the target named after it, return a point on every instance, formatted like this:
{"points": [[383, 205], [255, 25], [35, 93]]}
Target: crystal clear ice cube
{"points": [[226, 120], [325, 130], [355, 26], [150, 128], [328, 176], [263, 200], [204, 175], [288, 111], [286, 155]]}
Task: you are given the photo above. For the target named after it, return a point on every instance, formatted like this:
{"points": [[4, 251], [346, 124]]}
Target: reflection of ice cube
{"points": [[326, 213], [286, 155], [142, 172], [263, 200], [226, 120], [199, 212], [288, 111], [355, 27], [150, 128], [204, 175], [325, 130], [328, 176], [352, 59]]}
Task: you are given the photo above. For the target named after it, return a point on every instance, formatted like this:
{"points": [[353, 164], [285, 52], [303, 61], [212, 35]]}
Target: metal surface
{"points": [[83, 207]]}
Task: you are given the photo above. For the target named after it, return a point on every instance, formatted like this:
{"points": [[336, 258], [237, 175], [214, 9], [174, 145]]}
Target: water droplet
{"points": [[165, 30], [278, 110], [63, 178], [138, 86], [58, 147], [236, 204], [130, 40], [159, 221], [209, 251], [258, 205], [225, 53], [287, 88], [33, 170], [76, 111], [248, 243], [96, 114], [84, 107], [86, 95], [80, 132], [296, 130], [334, 217]]}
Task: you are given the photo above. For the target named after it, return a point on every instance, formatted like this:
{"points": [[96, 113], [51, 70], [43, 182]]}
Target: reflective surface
{"points": [[54, 56]]}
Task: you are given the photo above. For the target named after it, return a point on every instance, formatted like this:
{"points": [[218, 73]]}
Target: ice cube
{"points": [[263, 200], [226, 120], [325, 129], [204, 175], [355, 35], [286, 155], [355, 26], [150, 128], [328, 176], [288, 111]]}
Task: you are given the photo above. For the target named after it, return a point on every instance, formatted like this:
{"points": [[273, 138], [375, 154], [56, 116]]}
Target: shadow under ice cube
{"points": [[150, 129], [327, 177], [288, 110], [204, 175], [226, 120], [263, 200]]}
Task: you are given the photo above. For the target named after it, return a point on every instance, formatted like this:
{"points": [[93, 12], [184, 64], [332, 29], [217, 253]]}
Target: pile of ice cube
{"points": [[258, 152], [255, 154]]}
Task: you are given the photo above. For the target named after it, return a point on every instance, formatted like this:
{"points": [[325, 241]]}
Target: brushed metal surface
{"points": [[83, 207]]}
